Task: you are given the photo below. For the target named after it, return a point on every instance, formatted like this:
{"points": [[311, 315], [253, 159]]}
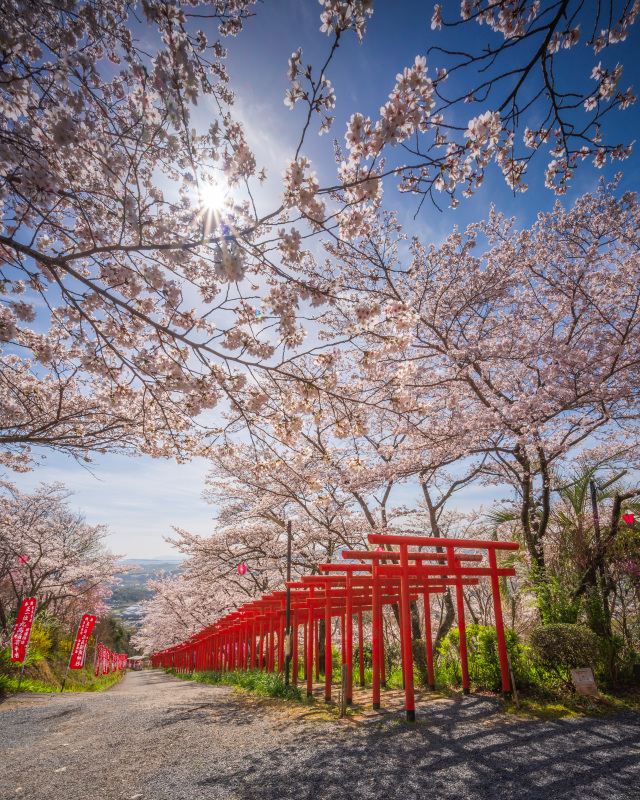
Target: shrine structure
{"points": [[401, 569]]}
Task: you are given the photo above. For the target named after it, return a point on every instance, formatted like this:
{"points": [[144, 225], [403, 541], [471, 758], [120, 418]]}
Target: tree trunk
{"points": [[416, 632], [474, 616], [3, 619], [446, 622], [321, 629], [528, 519]]}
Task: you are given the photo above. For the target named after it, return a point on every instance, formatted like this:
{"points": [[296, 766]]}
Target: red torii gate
{"points": [[388, 577], [452, 566], [386, 590]]}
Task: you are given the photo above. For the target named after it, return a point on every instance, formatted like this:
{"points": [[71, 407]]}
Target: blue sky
{"points": [[140, 499]]}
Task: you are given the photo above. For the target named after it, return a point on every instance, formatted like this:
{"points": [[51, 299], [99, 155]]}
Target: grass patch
{"points": [[266, 684], [9, 684]]}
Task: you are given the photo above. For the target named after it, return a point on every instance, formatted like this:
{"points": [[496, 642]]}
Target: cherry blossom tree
{"points": [[119, 279], [335, 480], [527, 352], [48, 551], [179, 608], [67, 410], [90, 125], [522, 74]]}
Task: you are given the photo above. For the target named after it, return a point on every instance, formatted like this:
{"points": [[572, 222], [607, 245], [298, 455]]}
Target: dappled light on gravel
{"points": [[154, 737]]}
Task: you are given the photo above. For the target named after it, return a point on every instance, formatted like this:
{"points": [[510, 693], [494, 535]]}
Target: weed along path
{"points": [[154, 737]]}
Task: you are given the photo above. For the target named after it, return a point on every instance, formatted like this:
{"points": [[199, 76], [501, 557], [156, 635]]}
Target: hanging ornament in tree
{"points": [[379, 549], [628, 518], [242, 568]]}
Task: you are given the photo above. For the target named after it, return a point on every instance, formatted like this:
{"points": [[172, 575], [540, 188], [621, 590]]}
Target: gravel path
{"points": [[153, 737]]}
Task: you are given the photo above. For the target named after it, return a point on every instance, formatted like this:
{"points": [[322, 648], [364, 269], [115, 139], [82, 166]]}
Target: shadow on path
{"points": [[462, 751]]}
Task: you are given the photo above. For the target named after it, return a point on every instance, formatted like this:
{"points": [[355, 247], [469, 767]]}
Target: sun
{"points": [[212, 196]]}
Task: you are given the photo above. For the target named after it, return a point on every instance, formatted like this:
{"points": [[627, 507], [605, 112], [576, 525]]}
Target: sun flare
{"points": [[212, 196]]}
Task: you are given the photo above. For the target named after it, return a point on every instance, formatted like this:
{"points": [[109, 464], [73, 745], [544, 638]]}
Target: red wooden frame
{"points": [[253, 636]]}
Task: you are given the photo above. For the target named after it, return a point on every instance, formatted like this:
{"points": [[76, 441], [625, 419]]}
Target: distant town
{"points": [[129, 594]]}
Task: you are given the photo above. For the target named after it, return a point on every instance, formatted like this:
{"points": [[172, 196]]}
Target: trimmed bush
{"points": [[563, 647]]}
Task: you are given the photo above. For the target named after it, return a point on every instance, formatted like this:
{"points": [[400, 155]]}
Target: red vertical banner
{"points": [[82, 639], [22, 629], [98, 660]]}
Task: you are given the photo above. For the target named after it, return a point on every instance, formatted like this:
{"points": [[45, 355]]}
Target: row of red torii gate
{"points": [[394, 573]]}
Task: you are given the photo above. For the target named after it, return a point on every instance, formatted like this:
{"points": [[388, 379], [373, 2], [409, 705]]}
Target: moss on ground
{"points": [[552, 705]]}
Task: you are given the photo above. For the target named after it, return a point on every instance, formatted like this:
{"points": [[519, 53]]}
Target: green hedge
{"points": [[563, 647]]}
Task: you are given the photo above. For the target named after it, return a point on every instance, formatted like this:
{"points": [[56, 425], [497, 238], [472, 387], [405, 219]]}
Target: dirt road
{"points": [[153, 737]]}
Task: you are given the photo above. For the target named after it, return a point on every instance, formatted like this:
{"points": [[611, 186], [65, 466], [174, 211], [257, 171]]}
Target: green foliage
{"points": [[554, 599], [483, 659], [392, 656], [114, 635], [563, 647], [336, 664], [9, 685], [40, 644], [394, 678], [595, 611], [268, 684], [367, 654]]}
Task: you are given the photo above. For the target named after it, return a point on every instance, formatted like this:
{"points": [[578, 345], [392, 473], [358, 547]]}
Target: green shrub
{"points": [[555, 601], [563, 647], [367, 654], [482, 657], [39, 644], [419, 647], [392, 656]]}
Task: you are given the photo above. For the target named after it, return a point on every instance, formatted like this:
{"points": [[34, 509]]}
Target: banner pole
{"points": [[288, 638], [95, 654], [23, 665], [64, 680]]}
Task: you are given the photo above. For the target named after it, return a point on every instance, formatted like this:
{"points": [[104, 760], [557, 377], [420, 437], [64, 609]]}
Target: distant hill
{"points": [[153, 563], [127, 597], [148, 566]]}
